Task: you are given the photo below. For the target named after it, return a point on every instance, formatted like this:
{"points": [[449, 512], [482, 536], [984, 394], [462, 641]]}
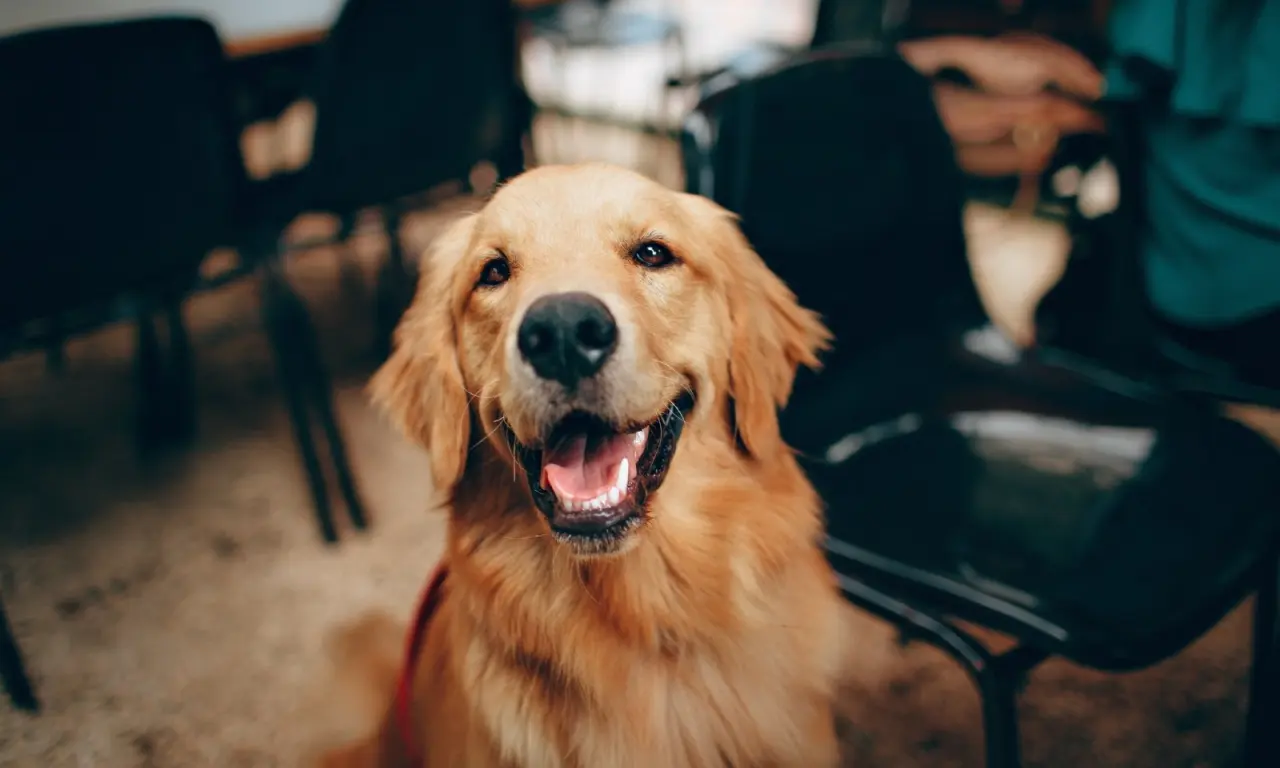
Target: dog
{"points": [[633, 571]]}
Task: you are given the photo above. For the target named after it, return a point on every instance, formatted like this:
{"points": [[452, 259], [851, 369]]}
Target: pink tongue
{"points": [[582, 468]]}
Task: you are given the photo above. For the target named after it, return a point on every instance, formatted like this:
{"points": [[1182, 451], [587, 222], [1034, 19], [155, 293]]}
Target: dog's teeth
{"points": [[639, 437], [615, 496], [624, 477]]}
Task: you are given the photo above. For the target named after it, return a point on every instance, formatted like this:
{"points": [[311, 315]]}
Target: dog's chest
{"points": [[680, 710], [702, 712]]}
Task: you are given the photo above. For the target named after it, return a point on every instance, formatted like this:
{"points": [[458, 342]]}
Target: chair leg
{"points": [[998, 686], [14, 672], [281, 308], [165, 381], [998, 678], [148, 371], [181, 384], [1262, 746], [350, 275], [394, 291], [316, 378]]}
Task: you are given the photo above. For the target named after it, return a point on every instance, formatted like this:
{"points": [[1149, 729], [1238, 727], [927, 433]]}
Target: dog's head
{"points": [[578, 326]]}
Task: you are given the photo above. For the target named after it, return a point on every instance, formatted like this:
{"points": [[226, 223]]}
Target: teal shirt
{"points": [[1210, 72]]}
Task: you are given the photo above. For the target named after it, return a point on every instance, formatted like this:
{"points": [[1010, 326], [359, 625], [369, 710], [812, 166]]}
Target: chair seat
{"points": [[1108, 525]]}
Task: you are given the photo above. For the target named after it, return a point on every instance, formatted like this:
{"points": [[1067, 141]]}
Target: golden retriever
{"points": [[634, 576]]}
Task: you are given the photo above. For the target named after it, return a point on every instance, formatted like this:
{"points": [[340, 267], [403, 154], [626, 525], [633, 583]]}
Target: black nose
{"points": [[567, 337]]}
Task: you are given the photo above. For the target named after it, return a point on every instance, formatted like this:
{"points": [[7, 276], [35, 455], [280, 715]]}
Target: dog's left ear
{"points": [[771, 335], [420, 386]]}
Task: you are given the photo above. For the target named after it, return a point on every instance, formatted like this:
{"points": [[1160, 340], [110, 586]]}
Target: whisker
{"points": [[530, 537], [496, 426], [474, 396], [678, 378]]}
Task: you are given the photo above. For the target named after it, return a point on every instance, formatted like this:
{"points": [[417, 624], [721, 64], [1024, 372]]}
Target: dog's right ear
{"points": [[420, 386]]}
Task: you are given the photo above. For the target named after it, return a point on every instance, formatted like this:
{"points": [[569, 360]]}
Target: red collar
{"points": [[403, 714]]}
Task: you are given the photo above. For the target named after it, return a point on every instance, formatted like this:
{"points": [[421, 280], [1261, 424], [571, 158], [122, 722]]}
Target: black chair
{"points": [[120, 117], [120, 173], [407, 96], [1087, 514], [110, 121]]}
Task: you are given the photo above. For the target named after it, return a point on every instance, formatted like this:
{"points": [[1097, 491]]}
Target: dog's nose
{"points": [[567, 337]]}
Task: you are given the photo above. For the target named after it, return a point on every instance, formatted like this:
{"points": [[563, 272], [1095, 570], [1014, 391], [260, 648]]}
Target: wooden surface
{"points": [[260, 44]]}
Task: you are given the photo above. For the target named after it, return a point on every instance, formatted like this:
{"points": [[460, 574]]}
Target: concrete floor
{"points": [[172, 610]]}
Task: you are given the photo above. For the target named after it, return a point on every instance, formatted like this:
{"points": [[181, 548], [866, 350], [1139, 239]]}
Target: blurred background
{"points": [[210, 214]]}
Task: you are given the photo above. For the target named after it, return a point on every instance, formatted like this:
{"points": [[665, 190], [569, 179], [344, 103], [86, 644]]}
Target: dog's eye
{"points": [[653, 255], [496, 271]]}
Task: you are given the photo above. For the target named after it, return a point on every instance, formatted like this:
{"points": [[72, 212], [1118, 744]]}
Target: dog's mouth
{"points": [[592, 479]]}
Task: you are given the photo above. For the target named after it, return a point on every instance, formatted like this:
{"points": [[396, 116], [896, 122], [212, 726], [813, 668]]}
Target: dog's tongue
{"points": [[582, 466]]}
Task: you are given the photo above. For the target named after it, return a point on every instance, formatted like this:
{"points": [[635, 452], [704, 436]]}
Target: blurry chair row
{"points": [[120, 170], [1085, 505]]}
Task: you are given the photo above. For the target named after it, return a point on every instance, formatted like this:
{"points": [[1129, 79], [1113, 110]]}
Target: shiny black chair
{"points": [[120, 172], [1085, 512], [407, 96]]}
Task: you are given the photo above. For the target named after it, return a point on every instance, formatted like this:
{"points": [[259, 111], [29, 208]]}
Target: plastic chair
{"points": [[407, 96], [117, 138], [1098, 518], [122, 172]]}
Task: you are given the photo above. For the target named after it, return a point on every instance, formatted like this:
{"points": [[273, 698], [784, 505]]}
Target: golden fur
{"points": [[714, 637]]}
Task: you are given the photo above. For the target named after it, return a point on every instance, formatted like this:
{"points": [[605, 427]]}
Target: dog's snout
{"points": [[567, 337]]}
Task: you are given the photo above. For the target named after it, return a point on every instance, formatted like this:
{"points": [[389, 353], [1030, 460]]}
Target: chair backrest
{"points": [[119, 165], [409, 94], [838, 22], [846, 184]]}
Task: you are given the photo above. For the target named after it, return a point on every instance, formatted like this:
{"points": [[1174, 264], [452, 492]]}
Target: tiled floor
{"points": [[173, 610]]}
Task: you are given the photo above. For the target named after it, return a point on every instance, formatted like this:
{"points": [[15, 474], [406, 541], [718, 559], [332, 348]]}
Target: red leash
{"points": [[427, 606]]}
